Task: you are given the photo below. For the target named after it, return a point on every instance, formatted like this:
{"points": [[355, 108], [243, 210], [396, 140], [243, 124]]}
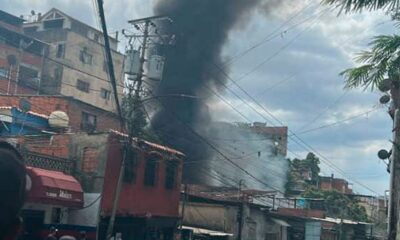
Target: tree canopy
{"points": [[360, 5], [297, 166], [338, 205]]}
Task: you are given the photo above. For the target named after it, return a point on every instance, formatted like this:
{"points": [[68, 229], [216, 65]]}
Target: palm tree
{"points": [[359, 5], [380, 62]]}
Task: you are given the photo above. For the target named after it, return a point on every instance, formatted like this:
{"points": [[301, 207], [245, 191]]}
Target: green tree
{"points": [[359, 5], [297, 167], [338, 205], [135, 116], [312, 162]]}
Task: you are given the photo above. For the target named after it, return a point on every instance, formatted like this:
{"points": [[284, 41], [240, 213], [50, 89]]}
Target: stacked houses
{"points": [[57, 108]]}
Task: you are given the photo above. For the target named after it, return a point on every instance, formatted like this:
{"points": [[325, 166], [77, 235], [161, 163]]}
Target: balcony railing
{"points": [[48, 162]]}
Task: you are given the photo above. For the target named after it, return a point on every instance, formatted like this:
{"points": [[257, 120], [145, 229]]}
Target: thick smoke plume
{"points": [[193, 66]]}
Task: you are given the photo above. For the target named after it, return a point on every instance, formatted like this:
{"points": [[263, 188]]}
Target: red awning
{"points": [[55, 188]]}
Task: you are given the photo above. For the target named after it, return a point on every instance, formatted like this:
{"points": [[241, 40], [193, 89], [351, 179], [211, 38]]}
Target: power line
{"points": [[306, 146], [270, 36], [324, 111], [276, 53], [224, 156], [339, 122]]}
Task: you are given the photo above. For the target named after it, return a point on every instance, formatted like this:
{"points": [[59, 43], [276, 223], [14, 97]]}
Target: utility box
{"points": [[132, 65], [155, 67]]}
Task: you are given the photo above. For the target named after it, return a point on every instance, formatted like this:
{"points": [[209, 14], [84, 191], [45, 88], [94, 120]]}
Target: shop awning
{"points": [[204, 231], [281, 222], [52, 187]]}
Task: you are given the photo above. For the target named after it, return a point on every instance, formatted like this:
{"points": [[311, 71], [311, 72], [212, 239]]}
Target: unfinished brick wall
{"points": [[39, 104], [56, 145], [90, 161]]}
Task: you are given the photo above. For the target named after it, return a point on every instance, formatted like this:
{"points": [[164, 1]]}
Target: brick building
{"points": [[332, 183], [82, 116], [149, 202], [21, 57], [277, 134]]}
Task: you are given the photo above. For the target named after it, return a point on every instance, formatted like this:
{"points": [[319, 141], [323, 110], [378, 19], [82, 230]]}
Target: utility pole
{"points": [[395, 180], [240, 211], [392, 87], [111, 74], [144, 25], [183, 207], [139, 78], [146, 33]]}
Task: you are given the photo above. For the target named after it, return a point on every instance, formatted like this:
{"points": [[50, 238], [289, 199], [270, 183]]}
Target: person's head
{"points": [[12, 190], [53, 231]]}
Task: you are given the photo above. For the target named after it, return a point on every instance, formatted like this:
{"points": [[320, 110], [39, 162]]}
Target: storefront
{"points": [[51, 196]]}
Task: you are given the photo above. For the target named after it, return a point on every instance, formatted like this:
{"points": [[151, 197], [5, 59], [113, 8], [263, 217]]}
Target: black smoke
{"points": [[193, 66]]}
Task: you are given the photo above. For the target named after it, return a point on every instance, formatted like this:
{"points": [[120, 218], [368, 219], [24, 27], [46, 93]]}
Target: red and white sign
{"points": [[52, 187]]}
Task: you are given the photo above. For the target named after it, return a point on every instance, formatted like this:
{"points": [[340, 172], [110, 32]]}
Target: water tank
{"points": [[155, 67], [58, 119], [132, 63]]}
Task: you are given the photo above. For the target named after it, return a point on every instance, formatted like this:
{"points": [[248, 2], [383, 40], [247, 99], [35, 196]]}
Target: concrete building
{"points": [[75, 64], [21, 57], [217, 214]]}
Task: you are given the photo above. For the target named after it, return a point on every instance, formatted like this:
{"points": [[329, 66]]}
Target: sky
{"points": [[294, 76]]}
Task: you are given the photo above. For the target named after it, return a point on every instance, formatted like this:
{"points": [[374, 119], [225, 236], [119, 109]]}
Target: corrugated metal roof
{"points": [[150, 144], [209, 232]]}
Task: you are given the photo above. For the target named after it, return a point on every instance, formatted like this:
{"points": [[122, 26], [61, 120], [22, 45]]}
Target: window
{"points": [[28, 77], [85, 57], [170, 174], [58, 71], [56, 215], [130, 165], [82, 85], [90, 161], [105, 94], [3, 73], [96, 37], [150, 171], [60, 50], [88, 122], [30, 30], [51, 24]]}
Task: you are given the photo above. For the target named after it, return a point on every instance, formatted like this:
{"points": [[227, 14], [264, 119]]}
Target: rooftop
{"points": [[10, 19]]}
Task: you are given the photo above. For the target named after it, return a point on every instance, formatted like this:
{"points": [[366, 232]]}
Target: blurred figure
{"points": [[67, 237], [82, 235], [12, 191], [118, 236], [53, 234]]}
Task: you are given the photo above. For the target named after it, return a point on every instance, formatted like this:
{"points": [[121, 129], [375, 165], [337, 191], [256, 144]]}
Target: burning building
{"points": [[194, 66]]}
